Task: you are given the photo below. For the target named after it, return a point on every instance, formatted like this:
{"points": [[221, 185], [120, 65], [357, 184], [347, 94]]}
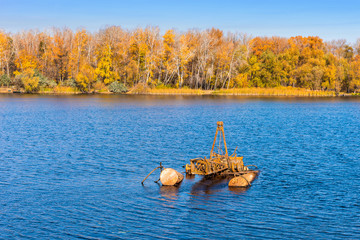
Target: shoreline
{"points": [[241, 92]]}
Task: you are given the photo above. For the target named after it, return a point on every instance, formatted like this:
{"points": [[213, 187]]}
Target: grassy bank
{"points": [[279, 91], [59, 90], [171, 91], [142, 89]]}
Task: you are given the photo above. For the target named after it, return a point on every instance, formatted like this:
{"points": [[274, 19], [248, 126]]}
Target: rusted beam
{"points": [[161, 168]]}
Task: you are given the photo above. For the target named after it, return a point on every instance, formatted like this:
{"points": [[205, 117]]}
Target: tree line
{"points": [[114, 58]]}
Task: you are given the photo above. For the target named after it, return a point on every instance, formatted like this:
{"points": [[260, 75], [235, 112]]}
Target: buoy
{"points": [[250, 177], [239, 182], [244, 180], [170, 177]]}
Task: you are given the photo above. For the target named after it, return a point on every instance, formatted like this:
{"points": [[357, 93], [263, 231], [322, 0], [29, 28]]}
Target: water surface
{"points": [[71, 167]]}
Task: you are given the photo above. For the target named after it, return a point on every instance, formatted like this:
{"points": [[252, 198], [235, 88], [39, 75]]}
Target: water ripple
{"points": [[70, 167]]}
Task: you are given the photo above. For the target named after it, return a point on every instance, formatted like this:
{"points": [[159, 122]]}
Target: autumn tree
{"points": [[78, 53], [207, 59], [85, 78], [61, 48], [104, 70], [6, 53], [169, 61]]}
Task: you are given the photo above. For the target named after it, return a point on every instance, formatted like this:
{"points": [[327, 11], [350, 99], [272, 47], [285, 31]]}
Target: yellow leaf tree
{"points": [[85, 78], [104, 70], [78, 53]]}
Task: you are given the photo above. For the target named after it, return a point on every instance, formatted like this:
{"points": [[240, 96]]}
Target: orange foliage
{"points": [[207, 59]]}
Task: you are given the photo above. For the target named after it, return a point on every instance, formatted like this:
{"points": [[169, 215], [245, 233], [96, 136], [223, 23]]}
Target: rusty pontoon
{"points": [[220, 163]]}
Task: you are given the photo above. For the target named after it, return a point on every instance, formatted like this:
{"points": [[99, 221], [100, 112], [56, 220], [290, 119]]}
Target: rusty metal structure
{"points": [[218, 166], [219, 162]]}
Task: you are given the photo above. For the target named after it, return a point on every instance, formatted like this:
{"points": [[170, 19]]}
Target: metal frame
{"points": [[218, 163]]}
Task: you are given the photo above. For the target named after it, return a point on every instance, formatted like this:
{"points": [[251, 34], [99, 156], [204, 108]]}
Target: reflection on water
{"points": [[169, 192], [189, 176], [72, 166], [210, 185], [238, 190]]}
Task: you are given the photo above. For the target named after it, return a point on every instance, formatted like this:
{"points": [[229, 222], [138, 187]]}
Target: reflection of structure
{"points": [[220, 163], [190, 176], [169, 192], [209, 185], [238, 190]]}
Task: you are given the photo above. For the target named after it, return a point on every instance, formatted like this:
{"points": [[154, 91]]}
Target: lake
{"points": [[71, 167]]}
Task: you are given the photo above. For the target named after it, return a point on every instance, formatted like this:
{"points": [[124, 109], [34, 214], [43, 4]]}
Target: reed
{"points": [[178, 91], [278, 91], [59, 90], [164, 90], [142, 88]]}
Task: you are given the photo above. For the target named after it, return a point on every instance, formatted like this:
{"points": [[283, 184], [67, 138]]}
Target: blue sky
{"points": [[329, 19]]}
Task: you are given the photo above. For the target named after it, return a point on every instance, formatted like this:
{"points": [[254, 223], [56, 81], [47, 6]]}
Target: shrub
{"points": [[5, 80], [85, 78], [44, 81], [83, 82], [28, 80], [162, 86], [69, 83], [99, 86], [117, 87], [31, 84]]}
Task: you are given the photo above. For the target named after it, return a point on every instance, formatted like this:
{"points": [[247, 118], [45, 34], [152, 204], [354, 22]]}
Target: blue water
{"points": [[71, 167]]}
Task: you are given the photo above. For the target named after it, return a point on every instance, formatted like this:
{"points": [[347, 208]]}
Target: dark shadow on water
{"points": [[189, 176], [210, 185]]}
